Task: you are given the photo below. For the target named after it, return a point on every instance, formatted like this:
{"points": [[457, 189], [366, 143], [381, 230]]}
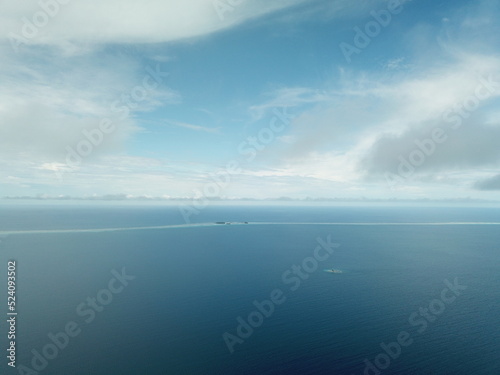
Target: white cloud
{"points": [[47, 103], [360, 129], [121, 21], [65, 81], [288, 97], [193, 126]]}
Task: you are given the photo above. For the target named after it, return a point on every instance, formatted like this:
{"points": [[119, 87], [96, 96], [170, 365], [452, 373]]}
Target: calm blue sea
{"points": [[183, 293]]}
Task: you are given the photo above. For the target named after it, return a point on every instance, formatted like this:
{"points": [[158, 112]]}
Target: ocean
{"points": [[124, 289]]}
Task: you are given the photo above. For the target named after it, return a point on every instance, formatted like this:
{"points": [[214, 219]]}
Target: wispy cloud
{"points": [[192, 126], [119, 21], [491, 183], [348, 131]]}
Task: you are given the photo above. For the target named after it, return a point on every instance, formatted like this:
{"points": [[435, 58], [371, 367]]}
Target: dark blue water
{"points": [[192, 284]]}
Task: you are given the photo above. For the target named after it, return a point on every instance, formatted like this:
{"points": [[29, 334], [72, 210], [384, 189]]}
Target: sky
{"points": [[261, 99]]}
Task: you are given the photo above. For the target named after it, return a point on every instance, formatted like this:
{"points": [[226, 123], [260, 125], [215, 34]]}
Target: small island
{"points": [[333, 271], [230, 222]]}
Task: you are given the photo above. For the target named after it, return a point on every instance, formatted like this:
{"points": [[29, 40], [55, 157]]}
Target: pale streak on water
{"points": [[174, 226]]}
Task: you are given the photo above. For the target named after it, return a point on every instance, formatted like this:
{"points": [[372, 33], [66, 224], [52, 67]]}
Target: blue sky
{"points": [[301, 98]]}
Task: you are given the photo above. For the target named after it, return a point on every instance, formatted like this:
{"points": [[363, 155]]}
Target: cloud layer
{"points": [[419, 104], [115, 21]]}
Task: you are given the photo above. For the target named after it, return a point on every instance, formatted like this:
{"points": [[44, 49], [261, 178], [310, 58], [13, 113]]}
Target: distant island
{"points": [[333, 271], [230, 222]]}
